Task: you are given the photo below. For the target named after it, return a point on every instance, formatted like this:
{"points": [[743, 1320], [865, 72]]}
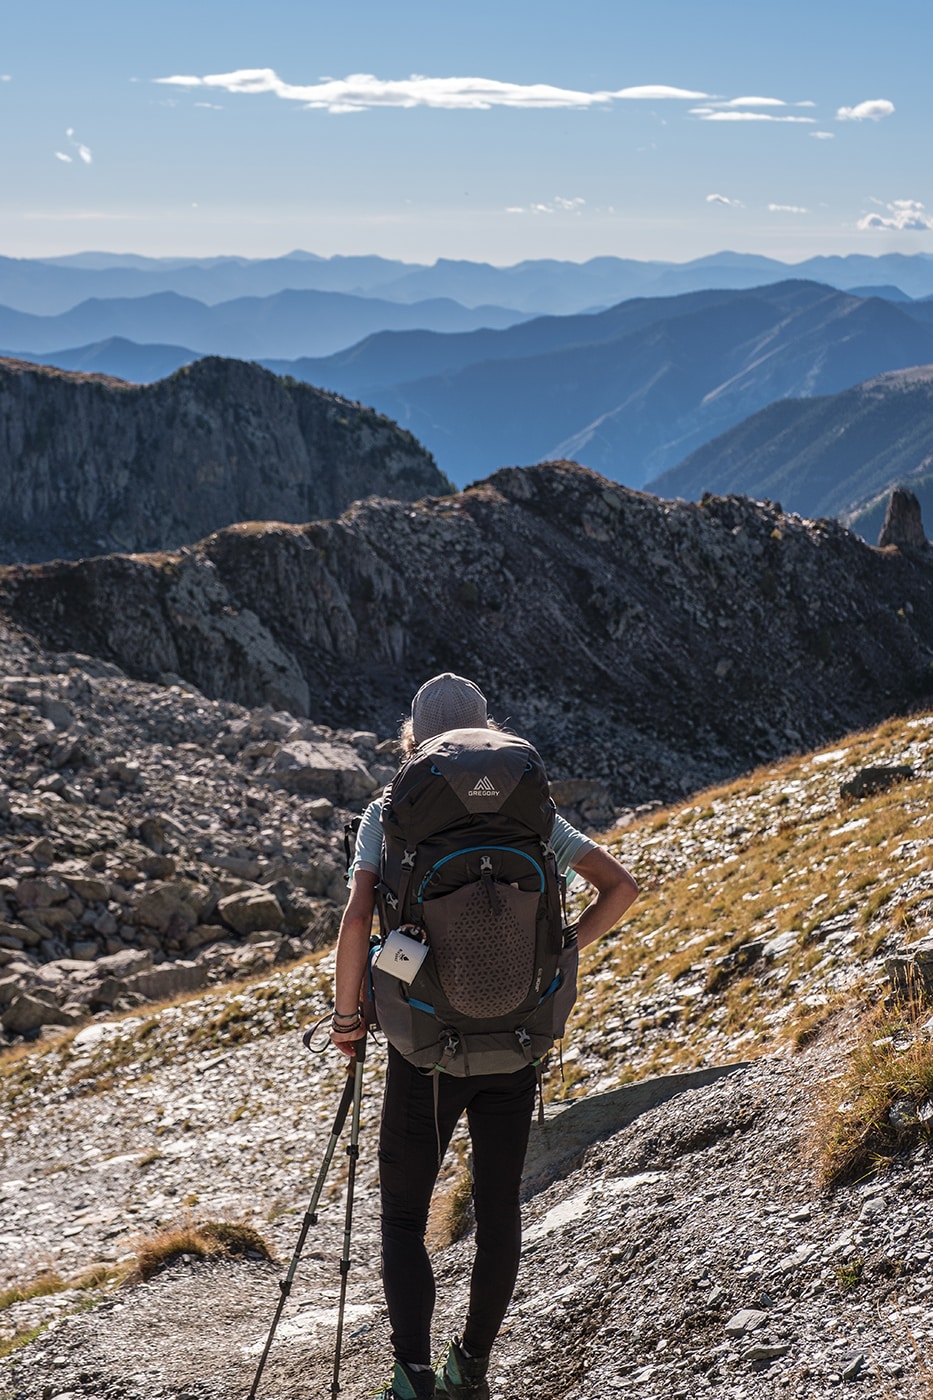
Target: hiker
{"points": [[421, 1108]]}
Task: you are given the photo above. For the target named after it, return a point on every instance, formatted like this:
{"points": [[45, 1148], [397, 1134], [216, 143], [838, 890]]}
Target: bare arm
{"points": [[352, 952], [615, 892]]}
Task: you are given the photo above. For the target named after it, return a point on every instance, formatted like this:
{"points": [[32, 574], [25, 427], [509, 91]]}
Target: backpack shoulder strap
{"points": [[350, 830]]}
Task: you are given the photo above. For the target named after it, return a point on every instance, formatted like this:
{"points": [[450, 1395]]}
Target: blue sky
{"points": [[491, 131]]}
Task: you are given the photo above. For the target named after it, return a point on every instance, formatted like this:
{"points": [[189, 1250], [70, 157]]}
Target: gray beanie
{"points": [[447, 702]]}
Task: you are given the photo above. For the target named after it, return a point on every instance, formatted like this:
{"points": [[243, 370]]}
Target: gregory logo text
{"points": [[484, 788]]}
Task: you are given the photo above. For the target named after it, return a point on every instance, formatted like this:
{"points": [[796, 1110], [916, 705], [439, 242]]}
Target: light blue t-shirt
{"points": [[568, 843]]}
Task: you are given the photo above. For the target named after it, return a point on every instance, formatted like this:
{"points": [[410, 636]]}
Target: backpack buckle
{"points": [[485, 865], [408, 860], [524, 1040]]}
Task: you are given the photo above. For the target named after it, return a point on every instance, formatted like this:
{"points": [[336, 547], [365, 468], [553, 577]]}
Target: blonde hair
{"points": [[406, 736]]}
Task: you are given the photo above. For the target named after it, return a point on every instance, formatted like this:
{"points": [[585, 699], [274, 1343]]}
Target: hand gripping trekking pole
{"points": [[353, 1152], [352, 1092]]}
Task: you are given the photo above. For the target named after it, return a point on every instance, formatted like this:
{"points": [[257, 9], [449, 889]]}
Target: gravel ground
{"points": [[689, 1253]]}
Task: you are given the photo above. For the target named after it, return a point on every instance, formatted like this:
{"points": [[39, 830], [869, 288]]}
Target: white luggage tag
{"points": [[401, 956]]}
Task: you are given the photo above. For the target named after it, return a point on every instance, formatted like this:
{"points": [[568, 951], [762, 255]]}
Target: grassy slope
{"points": [[829, 885]]}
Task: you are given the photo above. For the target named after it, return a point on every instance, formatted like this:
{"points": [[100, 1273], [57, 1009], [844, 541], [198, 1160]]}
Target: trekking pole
{"points": [[351, 1093], [353, 1152]]}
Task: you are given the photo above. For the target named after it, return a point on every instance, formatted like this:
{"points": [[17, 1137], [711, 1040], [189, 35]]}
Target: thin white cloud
{"points": [[656, 93], [211, 106], [787, 209], [724, 199], [903, 216], [872, 111], [557, 206], [60, 155], [6, 77], [733, 115], [752, 102], [360, 91], [822, 135]]}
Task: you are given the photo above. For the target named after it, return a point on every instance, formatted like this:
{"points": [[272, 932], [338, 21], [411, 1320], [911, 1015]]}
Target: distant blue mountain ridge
{"points": [[534, 287], [118, 358], [284, 324], [630, 391]]}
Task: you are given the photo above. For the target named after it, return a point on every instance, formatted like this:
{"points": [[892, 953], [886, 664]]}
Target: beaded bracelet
{"points": [[345, 1024]]}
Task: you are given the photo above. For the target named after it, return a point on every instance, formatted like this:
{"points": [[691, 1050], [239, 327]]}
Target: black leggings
{"points": [[499, 1108]]}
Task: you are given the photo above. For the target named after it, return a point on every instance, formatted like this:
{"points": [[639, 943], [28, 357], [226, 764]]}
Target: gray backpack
{"points": [[469, 876]]}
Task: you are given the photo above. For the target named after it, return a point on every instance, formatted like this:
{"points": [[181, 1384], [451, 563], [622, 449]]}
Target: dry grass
{"points": [[40, 1287], [46, 1285], [809, 1022], [210, 1239], [872, 1112], [778, 854], [19, 1339], [49, 1283]]}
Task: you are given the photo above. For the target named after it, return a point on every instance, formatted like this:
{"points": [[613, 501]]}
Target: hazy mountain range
{"points": [[630, 391], [117, 357], [738, 390], [285, 324], [49, 286]]}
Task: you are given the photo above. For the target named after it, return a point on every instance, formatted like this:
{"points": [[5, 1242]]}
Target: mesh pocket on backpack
{"points": [[483, 937]]}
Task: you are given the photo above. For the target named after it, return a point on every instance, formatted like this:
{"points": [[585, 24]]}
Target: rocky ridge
{"points": [[678, 1242], [90, 464], [649, 647]]}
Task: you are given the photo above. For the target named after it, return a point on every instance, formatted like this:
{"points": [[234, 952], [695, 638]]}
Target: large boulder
{"points": [[326, 769], [170, 905], [12, 985], [30, 1011], [159, 832], [170, 979], [41, 891], [89, 888], [124, 963], [251, 911]]}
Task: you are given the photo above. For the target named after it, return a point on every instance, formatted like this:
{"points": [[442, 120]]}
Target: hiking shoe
{"points": [[409, 1385], [462, 1377]]}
